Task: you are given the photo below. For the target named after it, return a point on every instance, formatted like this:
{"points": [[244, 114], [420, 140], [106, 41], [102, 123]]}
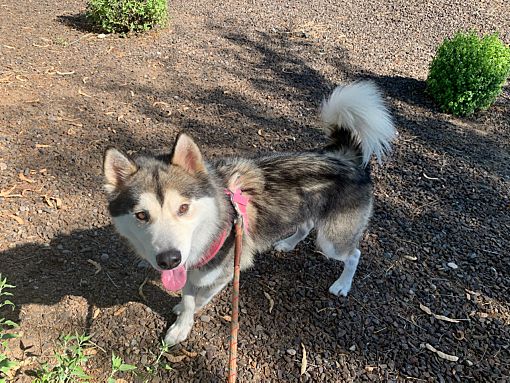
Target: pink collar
{"points": [[240, 203]]}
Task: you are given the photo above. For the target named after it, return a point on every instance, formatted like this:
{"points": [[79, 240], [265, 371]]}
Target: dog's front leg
{"points": [[185, 310]]}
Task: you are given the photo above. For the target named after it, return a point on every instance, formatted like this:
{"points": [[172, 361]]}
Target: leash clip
{"points": [[240, 203]]}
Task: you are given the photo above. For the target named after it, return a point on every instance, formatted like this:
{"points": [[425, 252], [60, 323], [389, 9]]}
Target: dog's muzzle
{"points": [[169, 259]]}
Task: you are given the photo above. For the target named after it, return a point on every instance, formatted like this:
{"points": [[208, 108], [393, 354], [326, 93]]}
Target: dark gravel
{"points": [[246, 78]]}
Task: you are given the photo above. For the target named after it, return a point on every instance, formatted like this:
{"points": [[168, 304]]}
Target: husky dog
{"points": [[175, 213]]}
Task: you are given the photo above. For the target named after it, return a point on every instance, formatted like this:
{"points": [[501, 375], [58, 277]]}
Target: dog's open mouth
{"points": [[174, 279]]}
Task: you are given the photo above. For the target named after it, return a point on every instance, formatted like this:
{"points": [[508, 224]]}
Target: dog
{"points": [[177, 211]]}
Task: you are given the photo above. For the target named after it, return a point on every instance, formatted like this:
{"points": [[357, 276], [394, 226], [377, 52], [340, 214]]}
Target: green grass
{"points": [[68, 362], [7, 365], [70, 356]]}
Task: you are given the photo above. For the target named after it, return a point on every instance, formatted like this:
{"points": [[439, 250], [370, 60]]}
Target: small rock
{"points": [[101, 36], [291, 351], [104, 257], [352, 348], [452, 265], [3, 166], [205, 318]]}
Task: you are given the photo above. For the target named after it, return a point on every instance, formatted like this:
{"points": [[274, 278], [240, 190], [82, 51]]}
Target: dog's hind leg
{"points": [[350, 258], [343, 284], [290, 243]]}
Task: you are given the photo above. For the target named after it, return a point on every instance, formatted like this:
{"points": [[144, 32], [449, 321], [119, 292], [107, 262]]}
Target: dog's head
{"points": [[166, 208]]}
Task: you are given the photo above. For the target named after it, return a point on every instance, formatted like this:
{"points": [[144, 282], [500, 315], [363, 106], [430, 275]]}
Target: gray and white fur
{"points": [[172, 208]]}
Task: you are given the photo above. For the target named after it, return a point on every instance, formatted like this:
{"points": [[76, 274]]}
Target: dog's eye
{"points": [[183, 209], [142, 216]]}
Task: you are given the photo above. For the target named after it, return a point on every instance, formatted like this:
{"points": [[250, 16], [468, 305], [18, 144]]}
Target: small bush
{"points": [[468, 72], [127, 15]]}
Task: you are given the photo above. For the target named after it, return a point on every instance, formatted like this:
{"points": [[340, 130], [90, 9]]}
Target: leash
{"points": [[234, 324], [240, 203]]}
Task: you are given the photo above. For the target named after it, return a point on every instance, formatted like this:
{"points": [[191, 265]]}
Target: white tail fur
{"points": [[359, 108]]}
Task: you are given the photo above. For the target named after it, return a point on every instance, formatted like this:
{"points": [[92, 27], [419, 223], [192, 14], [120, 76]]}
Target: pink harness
{"points": [[240, 203]]}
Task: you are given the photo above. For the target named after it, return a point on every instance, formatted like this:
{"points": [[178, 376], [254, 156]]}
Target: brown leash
{"points": [[234, 324]]}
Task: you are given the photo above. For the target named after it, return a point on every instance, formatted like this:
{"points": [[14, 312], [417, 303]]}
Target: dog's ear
{"points": [[187, 155], [117, 167]]}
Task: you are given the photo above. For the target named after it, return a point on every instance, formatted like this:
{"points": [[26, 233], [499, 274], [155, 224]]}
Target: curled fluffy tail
{"points": [[355, 118]]}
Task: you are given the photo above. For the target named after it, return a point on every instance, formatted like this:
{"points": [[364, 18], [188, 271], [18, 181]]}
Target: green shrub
{"points": [[127, 15], [468, 72]]}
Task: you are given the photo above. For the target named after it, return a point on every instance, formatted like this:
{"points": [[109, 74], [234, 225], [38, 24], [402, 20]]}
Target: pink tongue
{"points": [[174, 279]]}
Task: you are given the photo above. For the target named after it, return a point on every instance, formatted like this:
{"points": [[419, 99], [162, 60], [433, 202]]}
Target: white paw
{"points": [[178, 308], [178, 332], [340, 287], [283, 245]]}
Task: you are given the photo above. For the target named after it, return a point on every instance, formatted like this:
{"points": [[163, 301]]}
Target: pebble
{"points": [[104, 257], [205, 318], [3, 166], [452, 265], [291, 351]]}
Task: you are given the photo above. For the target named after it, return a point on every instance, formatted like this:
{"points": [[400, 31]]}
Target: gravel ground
{"points": [[246, 78]]}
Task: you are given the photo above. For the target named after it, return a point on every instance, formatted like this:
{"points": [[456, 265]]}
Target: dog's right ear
{"points": [[117, 167]]}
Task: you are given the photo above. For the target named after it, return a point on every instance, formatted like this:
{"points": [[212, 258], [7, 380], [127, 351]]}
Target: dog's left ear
{"points": [[187, 155]]}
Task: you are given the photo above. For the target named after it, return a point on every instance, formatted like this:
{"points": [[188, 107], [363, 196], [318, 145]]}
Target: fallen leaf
{"points": [[18, 219], [7, 192], [175, 358], [96, 265], [304, 362], [439, 317], [97, 311], [23, 178], [410, 258], [426, 309], [228, 318], [119, 312], [48, 201], [81, 93], [271, 301], [58, 202], [451, 358], [161, 103], [189, 354]]}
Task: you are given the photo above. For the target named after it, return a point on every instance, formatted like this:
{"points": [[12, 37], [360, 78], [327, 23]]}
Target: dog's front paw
{"points": [[283, 245], [177, 333], [340, 287]]}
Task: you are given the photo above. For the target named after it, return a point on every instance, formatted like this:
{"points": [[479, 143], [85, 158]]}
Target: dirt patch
{"points": [[223, 74]]}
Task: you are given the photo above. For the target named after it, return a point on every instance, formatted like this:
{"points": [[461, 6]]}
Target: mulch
{"points": [[247, 78]]}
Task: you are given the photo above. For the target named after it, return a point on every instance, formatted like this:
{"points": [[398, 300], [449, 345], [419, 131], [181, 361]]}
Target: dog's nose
{"points": [[169, 259]]}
